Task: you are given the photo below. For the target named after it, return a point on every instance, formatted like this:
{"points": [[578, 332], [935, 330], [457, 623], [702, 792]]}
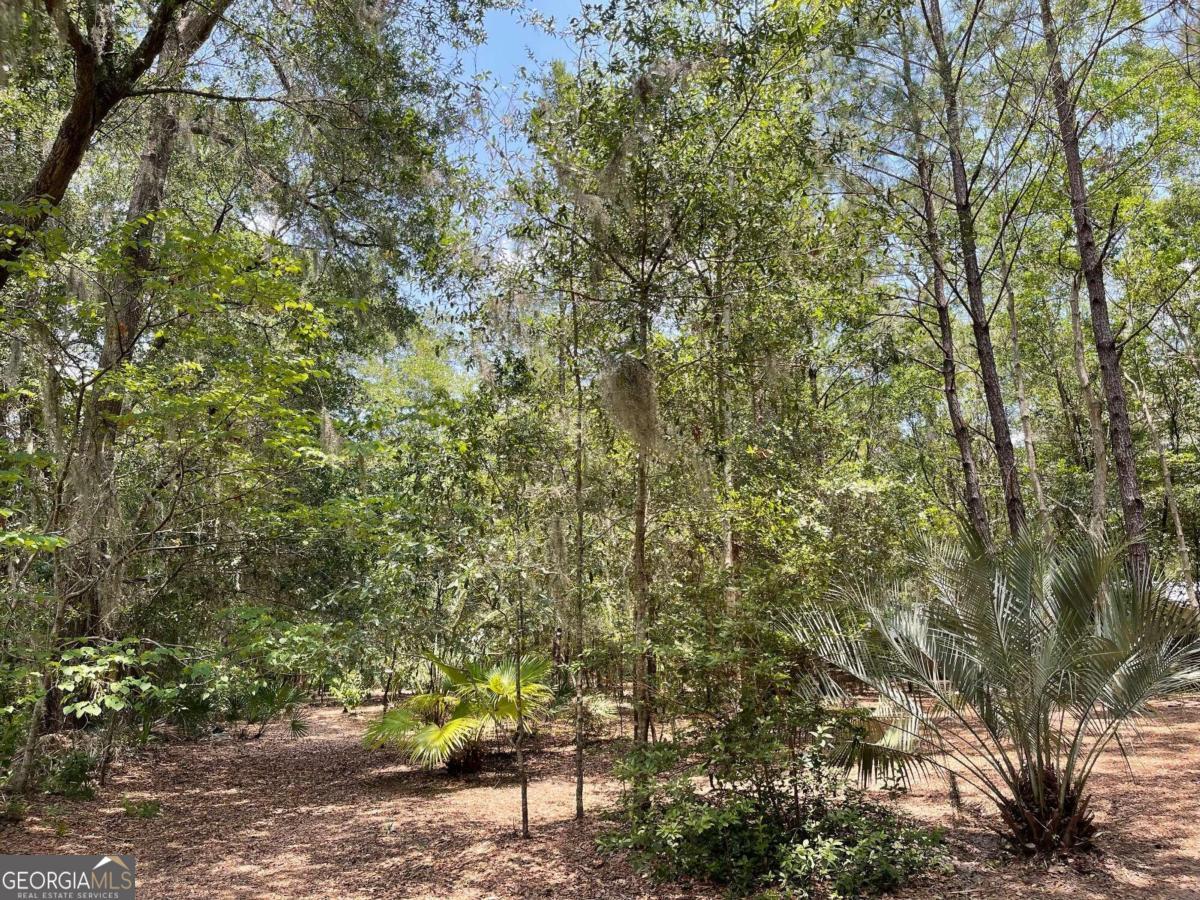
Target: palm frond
{"points": [[395, 727], [433, 745], [298, 725], [1033, 657], [431, 707]]}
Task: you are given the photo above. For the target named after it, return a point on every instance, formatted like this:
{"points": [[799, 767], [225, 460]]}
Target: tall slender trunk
{"points": [[725, 415], [1035, 476], [1092, 262], [1181, 542], [579, 550], [973, 492], [519, 739], [391, 677], [980, 319], [1079, 448], [641, 589], [642, 695], [1095, 413]]}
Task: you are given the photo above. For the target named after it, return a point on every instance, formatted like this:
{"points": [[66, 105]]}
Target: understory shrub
{"points": [[104, 692], [751, 808], [1015, 668], [348, 690], [447, 726], [141, 809], [71, 774]]}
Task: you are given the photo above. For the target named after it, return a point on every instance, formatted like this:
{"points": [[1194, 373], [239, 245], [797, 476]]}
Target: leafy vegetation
{"points": [[779, 816], [608, 394], [141, 809], [448, 727], [1016, 669]]}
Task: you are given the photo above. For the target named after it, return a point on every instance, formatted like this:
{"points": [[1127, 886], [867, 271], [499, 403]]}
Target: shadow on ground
{"points": [[321, 817]]}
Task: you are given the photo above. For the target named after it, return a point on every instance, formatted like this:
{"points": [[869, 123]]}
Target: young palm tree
{"points": [[1014, 670], [447, 727]]}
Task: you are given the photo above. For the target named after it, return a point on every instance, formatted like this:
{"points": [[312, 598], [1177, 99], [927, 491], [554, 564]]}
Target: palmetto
{"points": [[447, 727], [1015, 670]]}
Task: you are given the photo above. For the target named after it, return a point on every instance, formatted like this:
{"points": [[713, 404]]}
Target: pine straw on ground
{"points": [[322, 817], [1147, 815]]}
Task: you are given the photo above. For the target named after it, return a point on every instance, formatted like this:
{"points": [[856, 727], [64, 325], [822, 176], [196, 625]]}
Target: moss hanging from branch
{"points": [[628, 392], [331, 441]]}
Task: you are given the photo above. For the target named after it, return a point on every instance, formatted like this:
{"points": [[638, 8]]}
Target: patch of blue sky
{"points": [[500, 80]]}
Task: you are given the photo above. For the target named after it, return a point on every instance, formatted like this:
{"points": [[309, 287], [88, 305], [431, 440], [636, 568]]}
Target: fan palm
{"points": [[447, 727], [1014, 670]]}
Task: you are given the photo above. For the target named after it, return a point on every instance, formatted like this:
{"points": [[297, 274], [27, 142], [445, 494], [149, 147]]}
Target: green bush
{"points": [[348, 690], [858, 849], [70, 775], [773, 815]]}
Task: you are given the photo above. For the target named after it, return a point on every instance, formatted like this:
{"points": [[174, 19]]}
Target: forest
{"points": [[637, 448]]}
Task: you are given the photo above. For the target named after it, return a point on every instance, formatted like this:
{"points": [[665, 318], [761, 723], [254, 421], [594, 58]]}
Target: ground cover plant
{"points": [[765, 803]]}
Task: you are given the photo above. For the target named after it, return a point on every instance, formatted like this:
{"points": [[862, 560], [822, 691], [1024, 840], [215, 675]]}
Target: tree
{"points": [[165, 362], [105, 75], [1091, 257], [949, 78]]}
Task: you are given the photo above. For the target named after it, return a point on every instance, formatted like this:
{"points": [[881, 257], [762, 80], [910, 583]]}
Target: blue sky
{"points": [[519, 46], [512, 40]]}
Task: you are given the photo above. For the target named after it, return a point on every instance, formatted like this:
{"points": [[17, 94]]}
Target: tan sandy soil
{"points": [[321, 817], [1148, 811]]}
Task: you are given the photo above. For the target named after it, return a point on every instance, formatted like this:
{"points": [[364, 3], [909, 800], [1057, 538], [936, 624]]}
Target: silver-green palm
{"points": [[1014, 670]]}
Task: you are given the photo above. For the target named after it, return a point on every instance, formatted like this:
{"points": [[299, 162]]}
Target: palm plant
{"points": [[447, 727], [1015, 670]]}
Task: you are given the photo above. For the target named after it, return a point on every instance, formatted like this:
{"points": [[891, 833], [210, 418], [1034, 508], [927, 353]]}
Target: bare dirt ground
{"points": [[1148, 811], [321, 817]]}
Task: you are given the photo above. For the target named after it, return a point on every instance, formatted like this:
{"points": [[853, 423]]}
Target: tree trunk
{"points": [[977, 514], [579, 549], [1035, 476], [980, 320], [1095, 413], [1181, 542], [642, 711], [1092, 262], [110, 737], [725, 399], [391, 677], [522, 773]]}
